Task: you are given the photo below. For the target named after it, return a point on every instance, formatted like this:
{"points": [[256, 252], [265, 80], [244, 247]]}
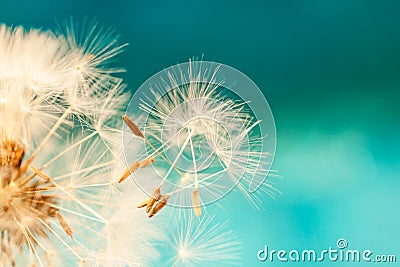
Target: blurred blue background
{"points": [[331, 73]]}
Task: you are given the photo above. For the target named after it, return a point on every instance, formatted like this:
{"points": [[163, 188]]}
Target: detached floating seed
{"points": [[140, 164], [196, 202], [128, 171], [154, 198], [143, 204], [146, 162], [155, 203], [161, 204], [132, 126]]}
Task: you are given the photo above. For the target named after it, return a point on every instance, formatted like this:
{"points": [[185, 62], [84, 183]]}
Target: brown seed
{"points": [[65, 226], [132, 126], [196, 203], [128, 171], [143, 204], [161, 204], [40, 173], [154, 198], [146, 162]]}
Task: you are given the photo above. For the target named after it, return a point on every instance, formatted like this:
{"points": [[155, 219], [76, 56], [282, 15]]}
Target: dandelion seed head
{"points": [[59, 142], [205, 138]]}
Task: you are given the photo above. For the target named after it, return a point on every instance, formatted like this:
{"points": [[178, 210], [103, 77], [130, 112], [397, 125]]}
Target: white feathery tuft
{"points": [[60, 143]]}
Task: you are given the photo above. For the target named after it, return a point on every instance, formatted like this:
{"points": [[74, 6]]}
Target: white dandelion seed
{"points": [[202, 242], [59, 204], [202, 138]]}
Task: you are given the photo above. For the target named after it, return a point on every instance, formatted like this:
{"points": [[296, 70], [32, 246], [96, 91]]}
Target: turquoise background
{"points": [[330, 72]]}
